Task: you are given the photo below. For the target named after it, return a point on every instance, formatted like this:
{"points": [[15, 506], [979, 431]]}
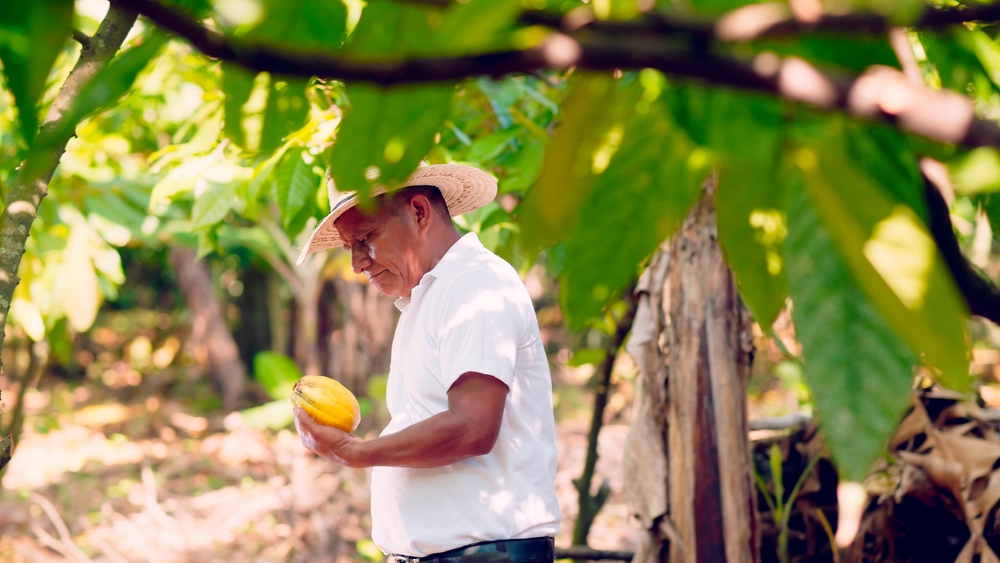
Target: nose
{"points": [[360, 258]]}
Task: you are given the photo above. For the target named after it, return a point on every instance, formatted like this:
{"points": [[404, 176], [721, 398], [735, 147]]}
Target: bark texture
{"points": [[32, 182], [208, 326], [688, 451]]}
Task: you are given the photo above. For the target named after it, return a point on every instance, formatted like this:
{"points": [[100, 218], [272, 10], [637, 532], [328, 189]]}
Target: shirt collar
{"points": [[468, 242]]}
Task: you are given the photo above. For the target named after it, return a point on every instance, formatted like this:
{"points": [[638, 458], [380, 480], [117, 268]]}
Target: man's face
{"points": [[383, 248]]}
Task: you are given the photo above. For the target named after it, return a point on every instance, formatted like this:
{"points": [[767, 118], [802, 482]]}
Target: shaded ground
{"points": [[198, 489]]}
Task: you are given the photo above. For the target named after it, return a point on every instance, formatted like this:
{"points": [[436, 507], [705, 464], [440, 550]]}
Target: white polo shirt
{"points": [[471, 312]]}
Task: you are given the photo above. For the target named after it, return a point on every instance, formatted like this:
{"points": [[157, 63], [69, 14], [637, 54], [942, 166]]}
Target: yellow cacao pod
{"points": [[327, 402]]}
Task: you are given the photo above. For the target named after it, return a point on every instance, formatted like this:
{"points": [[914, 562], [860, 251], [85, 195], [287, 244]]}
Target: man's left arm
{"points": [[468, 428]]}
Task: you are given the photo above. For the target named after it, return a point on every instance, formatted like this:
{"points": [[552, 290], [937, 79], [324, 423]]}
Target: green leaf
{"points": [[386, 133], [208, 242], [977, 171], [114, 80], [884, 154], [212, 206], [859, 371], [585, 356], [894, 260], [952, 55], [991, 206], [635, 204], [294, 185], [597, 109], [179, 180], [524, 167], [31, 35], [490, 146], [274, 415], [478, 26], [251, 191], [277, 373], [304, 25], [396, 30], [237, 84], [286, 111], [749, 201]]}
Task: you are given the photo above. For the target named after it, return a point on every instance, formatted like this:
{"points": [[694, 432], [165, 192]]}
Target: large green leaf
{"points": [[237, 84], [588, 135], [303, 24], [390, 29], [114, 80], [277, 373], [286, 111], [478, 25], [857, 368], [636, 203], [294, 185], [749, 202], [386, 133], [893, 258], [31, 35]]}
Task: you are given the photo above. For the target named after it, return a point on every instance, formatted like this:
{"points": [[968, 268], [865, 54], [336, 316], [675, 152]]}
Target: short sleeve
{"points": [[480, 327]]}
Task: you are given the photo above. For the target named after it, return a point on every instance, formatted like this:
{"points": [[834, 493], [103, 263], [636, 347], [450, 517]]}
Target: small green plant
{"points": [[780, 508]]}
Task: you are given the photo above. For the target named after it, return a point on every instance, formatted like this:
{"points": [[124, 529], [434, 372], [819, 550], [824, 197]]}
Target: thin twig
{"points": [[81, 38]]}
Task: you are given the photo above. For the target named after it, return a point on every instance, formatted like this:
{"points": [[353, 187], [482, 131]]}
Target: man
{"points": [[464, 472]]}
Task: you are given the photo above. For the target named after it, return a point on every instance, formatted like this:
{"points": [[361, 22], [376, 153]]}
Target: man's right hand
{"points": [[327, 442]]}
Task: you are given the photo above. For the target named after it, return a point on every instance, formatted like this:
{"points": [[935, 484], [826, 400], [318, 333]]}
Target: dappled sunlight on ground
{"points": [[196, 489]]}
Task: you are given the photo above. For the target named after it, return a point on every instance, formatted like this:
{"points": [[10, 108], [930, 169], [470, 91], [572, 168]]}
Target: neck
{"points": [[438, 244]]}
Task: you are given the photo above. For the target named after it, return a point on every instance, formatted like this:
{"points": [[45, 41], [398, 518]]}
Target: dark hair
{"points": [[400, 199]]}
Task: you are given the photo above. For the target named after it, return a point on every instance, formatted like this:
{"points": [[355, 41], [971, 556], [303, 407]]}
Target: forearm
{"points": [[440, 440]]}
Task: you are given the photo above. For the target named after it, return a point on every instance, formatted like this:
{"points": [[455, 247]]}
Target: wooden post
{"points": [[694, 352]]}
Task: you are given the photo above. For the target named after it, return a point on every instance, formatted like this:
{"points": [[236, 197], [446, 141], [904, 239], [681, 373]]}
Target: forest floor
{"points": [[155, 483]]}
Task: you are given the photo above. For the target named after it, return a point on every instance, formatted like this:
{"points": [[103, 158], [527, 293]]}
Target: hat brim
{"points": [[463, 187]]}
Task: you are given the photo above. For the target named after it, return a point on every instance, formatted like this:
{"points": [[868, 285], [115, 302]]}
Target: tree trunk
{"points": [[208, 326], [693, 345], [32, 182]]}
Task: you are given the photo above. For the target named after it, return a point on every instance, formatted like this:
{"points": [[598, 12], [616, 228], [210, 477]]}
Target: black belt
{"points": [[531, 550]]}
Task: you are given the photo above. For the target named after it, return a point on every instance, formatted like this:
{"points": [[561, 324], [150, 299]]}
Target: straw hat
{"points": [[464, 189]]}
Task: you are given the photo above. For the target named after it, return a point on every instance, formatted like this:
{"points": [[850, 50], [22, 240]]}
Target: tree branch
{"points": [[982, 297], [757, 21], [880, 94], [32, 181]]}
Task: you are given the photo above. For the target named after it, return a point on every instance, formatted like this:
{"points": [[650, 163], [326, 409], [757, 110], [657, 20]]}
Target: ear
{"points": [[422, 211]]}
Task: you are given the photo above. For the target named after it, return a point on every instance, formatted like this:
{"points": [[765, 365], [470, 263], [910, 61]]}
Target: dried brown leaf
{"points": [[975, 454], [942, 472], [915, 423]]}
